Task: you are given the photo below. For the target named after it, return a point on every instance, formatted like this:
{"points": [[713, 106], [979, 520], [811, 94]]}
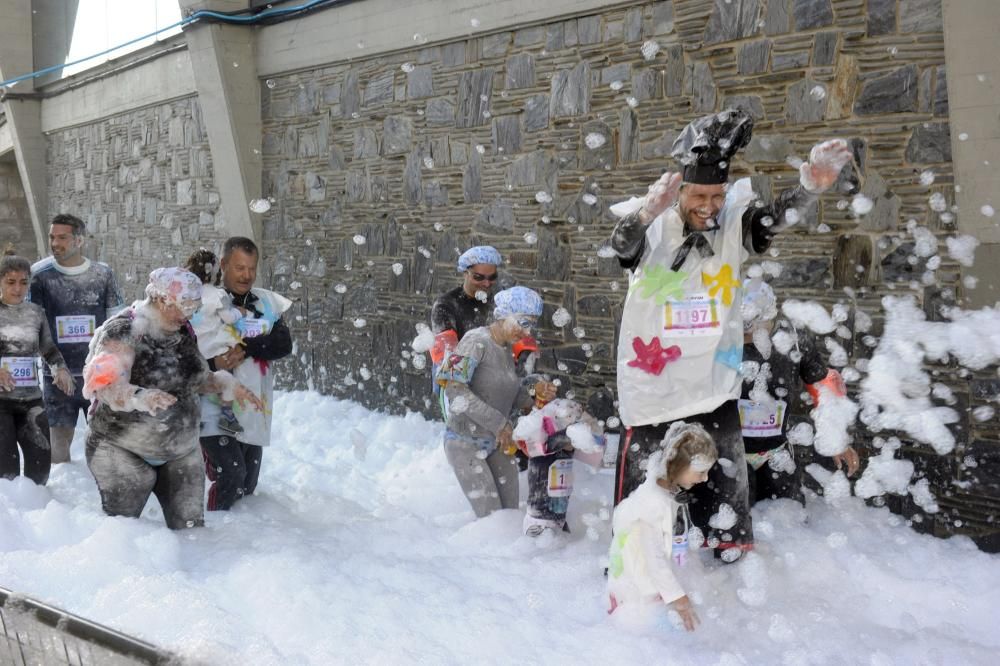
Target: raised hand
{"points": [[661, 196], [826, 160]]}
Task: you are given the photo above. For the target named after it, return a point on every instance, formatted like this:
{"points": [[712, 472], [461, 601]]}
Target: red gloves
{"points": [[443, 343], [833, 383], [525, 344]]}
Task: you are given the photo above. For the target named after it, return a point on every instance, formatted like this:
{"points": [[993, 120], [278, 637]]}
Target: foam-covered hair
{"points": [[690, 441], [174, 284]]}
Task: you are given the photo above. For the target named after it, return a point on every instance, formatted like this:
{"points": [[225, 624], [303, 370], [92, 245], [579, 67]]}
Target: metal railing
{"points": [[33, 633]]}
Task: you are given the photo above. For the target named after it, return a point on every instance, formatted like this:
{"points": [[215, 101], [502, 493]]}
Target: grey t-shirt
{"points": [[70, 297], [24, 334], [483, 387]]}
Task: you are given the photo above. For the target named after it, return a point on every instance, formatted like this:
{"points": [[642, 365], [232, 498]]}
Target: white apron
{"points": [[681, 339], [250, 373]]}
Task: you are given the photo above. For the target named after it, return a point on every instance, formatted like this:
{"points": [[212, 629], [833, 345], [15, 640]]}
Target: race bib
{"points": [[698, 315], [22, 370], [252, 327], [760, 419], [679, 550], [561, 478], [75, 328]]}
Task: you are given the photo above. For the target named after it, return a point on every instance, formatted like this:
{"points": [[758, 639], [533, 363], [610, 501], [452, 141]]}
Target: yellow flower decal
{"points": [[722, 281]]}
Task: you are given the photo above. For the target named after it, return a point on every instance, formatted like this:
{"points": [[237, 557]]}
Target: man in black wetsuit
{"points": [[469, 306], [773, 383]]}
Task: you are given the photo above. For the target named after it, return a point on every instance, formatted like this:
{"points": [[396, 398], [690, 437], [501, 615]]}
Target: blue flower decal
{"points": [[731, 357]]}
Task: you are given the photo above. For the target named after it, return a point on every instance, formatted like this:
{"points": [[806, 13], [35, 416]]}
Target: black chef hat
{"points": [[705, 147]]}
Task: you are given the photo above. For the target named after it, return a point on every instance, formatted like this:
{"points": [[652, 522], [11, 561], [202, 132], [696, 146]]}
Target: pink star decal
{"points": [[652, 357]]}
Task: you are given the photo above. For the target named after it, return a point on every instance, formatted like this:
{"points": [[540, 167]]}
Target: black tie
{"points": [[694, 240]]}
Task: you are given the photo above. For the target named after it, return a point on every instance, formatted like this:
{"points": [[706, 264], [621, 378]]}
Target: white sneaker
{"points": [[536, 527]]}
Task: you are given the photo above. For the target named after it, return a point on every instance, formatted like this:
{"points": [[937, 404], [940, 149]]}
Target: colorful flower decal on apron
{"points": [[724, 282], [652, 357], [661, 284]]}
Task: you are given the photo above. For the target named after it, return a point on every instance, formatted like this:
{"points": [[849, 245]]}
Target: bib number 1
{"points": [[561, 478]]}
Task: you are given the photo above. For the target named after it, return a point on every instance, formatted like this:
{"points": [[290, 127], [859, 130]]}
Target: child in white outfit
{"points": [[215, 323], [643, 551]]}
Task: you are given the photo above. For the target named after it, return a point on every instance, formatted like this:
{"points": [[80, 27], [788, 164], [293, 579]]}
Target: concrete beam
{"points": [[362, 29], [24, 116], [223, 60], [972, 59], [155, 81]]}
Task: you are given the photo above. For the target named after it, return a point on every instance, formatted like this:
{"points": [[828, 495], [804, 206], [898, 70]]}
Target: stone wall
{"points": [[383, 169], [143, 183], [15, 220]]}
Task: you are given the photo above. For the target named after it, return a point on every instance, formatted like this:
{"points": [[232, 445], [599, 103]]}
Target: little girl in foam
{"points": [[644, 551], [551, 436], [216, 322]]}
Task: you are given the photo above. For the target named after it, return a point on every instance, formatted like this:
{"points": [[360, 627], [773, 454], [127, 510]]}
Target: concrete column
{"points": [[972, 60], [225, 73], [24, 114]]}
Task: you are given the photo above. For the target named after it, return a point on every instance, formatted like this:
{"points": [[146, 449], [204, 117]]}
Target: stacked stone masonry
{"points": [[143, 183], [381, 170], [14, 217]]}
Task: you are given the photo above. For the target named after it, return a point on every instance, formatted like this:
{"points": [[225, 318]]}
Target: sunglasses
{"points": [[479, 277]]}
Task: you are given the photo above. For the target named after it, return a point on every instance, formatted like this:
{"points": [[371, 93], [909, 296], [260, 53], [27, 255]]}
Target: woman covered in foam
{"points": [[218, 324], [144, 373]]}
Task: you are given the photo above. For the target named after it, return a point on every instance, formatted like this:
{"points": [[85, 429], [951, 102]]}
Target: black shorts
{"points": [[63, 410]]}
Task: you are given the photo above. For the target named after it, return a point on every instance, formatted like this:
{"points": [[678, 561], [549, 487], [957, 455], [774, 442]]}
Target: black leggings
{"points": [[126, 481], [544, 500], [727, 481], [232, 468], [24, 423], [770, 483]]}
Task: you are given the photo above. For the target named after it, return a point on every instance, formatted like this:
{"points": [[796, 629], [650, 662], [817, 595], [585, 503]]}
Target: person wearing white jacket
{"points": [[144, 376], [644, 549], [233, 460]]}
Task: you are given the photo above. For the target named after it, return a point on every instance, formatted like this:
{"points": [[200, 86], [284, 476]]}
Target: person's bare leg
{"points": [[61, 438]]}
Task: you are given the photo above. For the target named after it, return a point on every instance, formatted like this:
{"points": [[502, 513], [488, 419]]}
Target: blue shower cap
{"points": [[517, 301], [481, 254]]}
